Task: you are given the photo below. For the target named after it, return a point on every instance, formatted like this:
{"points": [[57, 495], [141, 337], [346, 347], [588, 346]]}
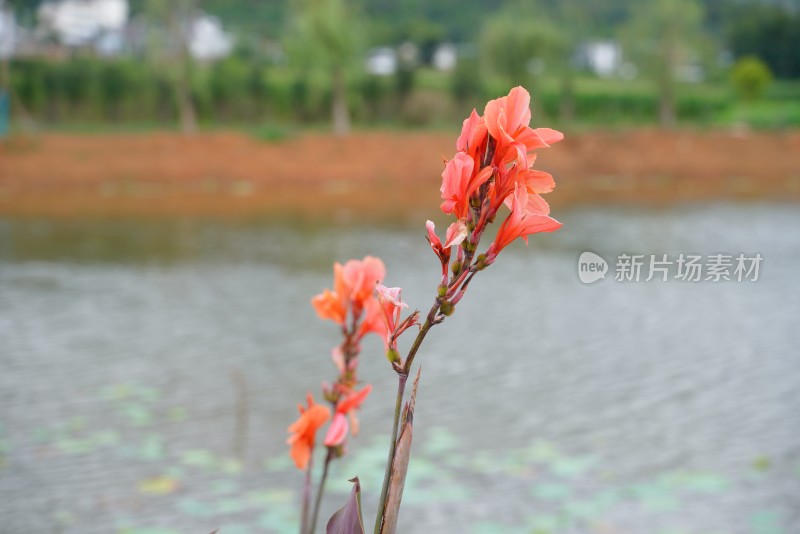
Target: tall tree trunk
{"points": [[5, 75], [341, 115], [15, 104], [180, 19], [183, 93], [567, 102], [666, 91]]}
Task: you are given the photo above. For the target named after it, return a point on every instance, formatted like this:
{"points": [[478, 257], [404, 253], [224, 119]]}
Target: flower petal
{"points": [[337, 432], [456, 233]]}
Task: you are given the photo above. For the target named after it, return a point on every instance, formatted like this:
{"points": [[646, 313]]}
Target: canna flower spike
{"points": [[492, 168]]}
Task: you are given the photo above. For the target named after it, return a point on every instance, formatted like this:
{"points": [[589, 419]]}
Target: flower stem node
{"points": [[447, 308], [337, 451], [392, 355]]}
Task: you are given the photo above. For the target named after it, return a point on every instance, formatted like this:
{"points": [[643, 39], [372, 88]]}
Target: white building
{"points": [[381, 61], [208, 40], [8, 31], [80, 22], [445, 57]]}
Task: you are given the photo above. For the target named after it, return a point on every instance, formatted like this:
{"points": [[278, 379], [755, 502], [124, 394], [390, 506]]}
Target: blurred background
{"points": [[177, 178]]}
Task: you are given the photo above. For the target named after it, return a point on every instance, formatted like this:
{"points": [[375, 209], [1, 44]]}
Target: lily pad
{"points": [[571, 467], [158, 486], [230, 506], [136, 413], [148, 531], [552, 491], [271, 497], [230, 466], [195, 508], [440, 442], [176, 413], [152, 448], [766, 522], [198, 458]]}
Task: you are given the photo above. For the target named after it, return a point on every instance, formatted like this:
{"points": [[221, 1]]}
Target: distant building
{"points": [[82, 22], [208, 40], [8, 31], [381, 61], [603, 58], [445, 57]]}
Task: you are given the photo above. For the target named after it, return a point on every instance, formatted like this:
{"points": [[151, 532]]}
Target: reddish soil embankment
{"points": [[374, 175]]}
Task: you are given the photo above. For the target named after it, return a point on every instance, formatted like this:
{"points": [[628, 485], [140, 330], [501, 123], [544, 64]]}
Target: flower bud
{"points": [[330, 395], [456, 268], [480, 262], [337, 451], [441, 290], [447, 308], [392, 355]]}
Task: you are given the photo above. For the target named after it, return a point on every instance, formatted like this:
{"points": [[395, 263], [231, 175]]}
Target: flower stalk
{"points": [[492, 168], [321, 490]]}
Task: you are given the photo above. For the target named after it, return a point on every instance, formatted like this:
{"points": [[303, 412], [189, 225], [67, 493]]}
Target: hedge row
{"points": [[233, 90]]}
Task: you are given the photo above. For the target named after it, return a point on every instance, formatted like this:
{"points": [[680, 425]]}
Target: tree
{"points": [[11, 10], [325, 34], [169, 25], [574, 20], [660, 35], [750, 77], [769, 32], [512, 41]]}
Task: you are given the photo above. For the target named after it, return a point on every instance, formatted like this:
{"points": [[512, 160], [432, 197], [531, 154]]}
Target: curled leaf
{"points": [[347, 520]]}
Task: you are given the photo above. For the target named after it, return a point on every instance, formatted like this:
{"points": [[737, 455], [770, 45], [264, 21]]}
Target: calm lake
{"points": [[148, 372]]}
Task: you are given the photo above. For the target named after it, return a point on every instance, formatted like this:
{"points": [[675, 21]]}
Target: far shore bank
{"points": [[370, 175]]}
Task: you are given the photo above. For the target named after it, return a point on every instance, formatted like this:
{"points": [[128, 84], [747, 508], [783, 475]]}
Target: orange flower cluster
{"points": [[352, 304], [493, 167]]}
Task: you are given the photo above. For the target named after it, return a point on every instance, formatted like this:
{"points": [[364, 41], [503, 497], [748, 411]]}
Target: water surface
{"points": [[131, 352]]}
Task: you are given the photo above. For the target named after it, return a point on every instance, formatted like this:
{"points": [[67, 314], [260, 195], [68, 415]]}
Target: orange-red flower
{"points": [[353, 285], [460, 179], [373, 319], [356, 279], [389, 298], [330, 305], [456, 233], [346, 407], [304, 431], [524, 220], [519, 181], [472, 140], [507, 117], [507, 120]]}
